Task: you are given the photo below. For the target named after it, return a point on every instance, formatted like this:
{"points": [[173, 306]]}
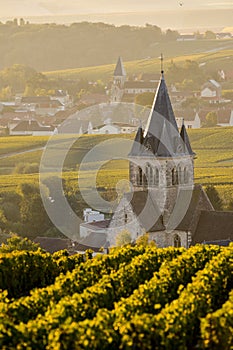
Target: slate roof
{"points": [[190, 203], [99, 225], [31, 125], [53, 244], [162, 106], [223, 242], [161, 136], [119, 70], [93, 241], [213, 226], [35, 99], [145, 208], [185, 138], [139, 85]]}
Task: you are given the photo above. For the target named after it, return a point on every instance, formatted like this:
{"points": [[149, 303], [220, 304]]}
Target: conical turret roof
{"points": [[185, 138], [137, 145]]}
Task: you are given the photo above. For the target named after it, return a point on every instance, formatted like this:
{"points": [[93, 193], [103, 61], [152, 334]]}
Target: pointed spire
{"points": [[185, 138], [119, 70], [161, 106], [161, 136], [165, 148]]}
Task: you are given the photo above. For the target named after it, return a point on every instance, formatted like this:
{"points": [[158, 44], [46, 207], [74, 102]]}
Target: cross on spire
{"points": [[161, 59]]}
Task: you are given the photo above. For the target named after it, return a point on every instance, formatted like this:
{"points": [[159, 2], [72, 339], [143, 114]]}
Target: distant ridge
{"points": [[180, 19]]}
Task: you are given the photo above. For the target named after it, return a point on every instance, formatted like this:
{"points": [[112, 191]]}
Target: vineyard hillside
{"points": [[210, 53], [213, 163], [135, 297]]}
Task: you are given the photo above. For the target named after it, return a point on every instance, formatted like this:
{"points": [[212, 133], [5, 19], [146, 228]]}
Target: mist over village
{"points": [[116, 175]]}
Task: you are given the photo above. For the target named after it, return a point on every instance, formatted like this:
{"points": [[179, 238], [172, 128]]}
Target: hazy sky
{"points": [[18, 8]]}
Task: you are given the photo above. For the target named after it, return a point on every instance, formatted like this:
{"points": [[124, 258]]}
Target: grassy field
{"points": [[213, 163], [213, 53]]}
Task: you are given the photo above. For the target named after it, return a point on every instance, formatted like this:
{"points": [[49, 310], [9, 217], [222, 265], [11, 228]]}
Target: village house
{"points": [[40, 105], [30, 127], [211, 91], [189, 118]]}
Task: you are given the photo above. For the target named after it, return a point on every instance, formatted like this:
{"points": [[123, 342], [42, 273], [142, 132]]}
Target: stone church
{"points": [[164, 200]]}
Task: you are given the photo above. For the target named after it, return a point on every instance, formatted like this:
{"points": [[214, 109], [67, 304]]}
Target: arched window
{"points": [[140, 176], [186, 176], [174, 177], [177, 241], [156, 176], [149, 175], [180, 177]]}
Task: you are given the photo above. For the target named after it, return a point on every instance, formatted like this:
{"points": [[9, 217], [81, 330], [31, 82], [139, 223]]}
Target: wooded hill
{"points": [[53, 47]]}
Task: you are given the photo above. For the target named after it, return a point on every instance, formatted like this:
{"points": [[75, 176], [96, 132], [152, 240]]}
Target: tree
{"points": [[144, 99], [209, 35], [122, 238], [33, 214], [143, 240], [171, 35], [18, 243], [214, 197], [211, 119], [6, 93]]}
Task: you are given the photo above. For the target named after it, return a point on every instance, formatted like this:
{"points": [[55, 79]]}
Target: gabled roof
{"points": [[35, 99], [31, 125], [140, 85], [93, 241], [220, 242], [97, 225], [119, 70], [215, 83], [189, 204], [214, 225], [53, 244]]}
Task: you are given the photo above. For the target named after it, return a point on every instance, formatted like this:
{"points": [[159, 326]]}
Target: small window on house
{"points": [[126, 218], [177, 241]]}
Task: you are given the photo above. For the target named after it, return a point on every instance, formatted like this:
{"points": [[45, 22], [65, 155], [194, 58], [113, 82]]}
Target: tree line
{"points": [[52, 46]]}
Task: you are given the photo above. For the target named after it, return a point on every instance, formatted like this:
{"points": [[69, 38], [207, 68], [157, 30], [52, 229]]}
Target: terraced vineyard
{"points": [[133, 298]]}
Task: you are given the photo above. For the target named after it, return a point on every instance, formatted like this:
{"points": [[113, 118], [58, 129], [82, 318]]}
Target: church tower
{"points": [[161, 158], [119, 78]]}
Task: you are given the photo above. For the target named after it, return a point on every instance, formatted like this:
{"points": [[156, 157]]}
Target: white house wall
{"points": [[208, 93]]}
